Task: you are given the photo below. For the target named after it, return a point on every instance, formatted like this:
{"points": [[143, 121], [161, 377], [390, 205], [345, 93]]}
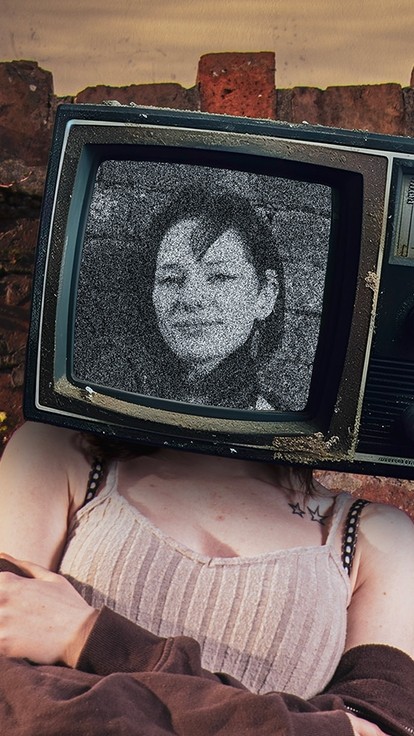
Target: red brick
{"points": [[378, 108], [284, 105], [156, 95], [16, 177], [26, 94], [17, 247], [11, 414], [238, 84], [17, 290], [408, 95], [13, 336], [306, 105], [375, 488]]}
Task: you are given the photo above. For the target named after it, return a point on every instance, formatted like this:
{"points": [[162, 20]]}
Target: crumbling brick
{"points": [[26, 93], [306, 105], [238, 84], [378, 108], [157, 95]]}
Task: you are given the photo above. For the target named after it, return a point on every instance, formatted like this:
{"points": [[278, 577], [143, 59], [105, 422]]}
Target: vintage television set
{"points": [[312, 362]]}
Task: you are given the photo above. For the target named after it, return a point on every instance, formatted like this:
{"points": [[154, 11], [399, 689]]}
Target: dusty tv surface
{"points": [[227, 285]]}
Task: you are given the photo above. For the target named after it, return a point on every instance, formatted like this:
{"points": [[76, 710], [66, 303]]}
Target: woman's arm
{"points": [[382, 605], [43, 477], [159, 683], [126, 676]]}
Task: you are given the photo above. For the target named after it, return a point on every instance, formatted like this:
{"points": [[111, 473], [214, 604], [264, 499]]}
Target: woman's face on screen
{"points": [[206, 306]]}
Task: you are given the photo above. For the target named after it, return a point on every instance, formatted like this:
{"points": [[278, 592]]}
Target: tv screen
{"points": [[208, 281], [214, 283]]}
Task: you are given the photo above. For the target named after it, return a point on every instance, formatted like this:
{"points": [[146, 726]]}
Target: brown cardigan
{"points": [[129, 682]]}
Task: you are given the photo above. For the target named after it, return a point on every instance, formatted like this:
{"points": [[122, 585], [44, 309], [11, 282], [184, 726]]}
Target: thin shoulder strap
{"points": [[94, 480], [351, 533]]}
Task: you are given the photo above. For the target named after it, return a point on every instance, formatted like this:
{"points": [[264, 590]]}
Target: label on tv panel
{"points": [[385, 459], [403, 248]]}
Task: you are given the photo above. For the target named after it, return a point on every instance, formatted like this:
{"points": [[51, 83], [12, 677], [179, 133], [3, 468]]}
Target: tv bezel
{"points": [[289, 437]]}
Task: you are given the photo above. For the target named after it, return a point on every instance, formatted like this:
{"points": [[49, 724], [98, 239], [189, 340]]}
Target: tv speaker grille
{"points": [[385, 425]]}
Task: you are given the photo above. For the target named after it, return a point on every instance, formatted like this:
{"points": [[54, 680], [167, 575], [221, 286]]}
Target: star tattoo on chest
{"points": [[296, 509], [315, 513]]}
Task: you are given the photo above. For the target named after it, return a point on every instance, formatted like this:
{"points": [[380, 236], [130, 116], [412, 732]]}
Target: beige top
{"points": [[276, 621]]}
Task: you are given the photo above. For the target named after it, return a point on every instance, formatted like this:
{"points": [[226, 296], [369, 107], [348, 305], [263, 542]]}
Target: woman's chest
{"points": [[230, 521], [262, 619]]}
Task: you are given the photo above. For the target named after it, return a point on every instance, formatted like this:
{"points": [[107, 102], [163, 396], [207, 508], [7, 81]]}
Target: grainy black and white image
{"points": [[202, 285]]}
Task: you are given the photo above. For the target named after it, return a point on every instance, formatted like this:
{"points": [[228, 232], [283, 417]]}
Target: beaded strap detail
{"points": [[351, 533], [95, 477]]}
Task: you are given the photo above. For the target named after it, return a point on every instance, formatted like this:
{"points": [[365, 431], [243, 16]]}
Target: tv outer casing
{"points": [[331, 437]]}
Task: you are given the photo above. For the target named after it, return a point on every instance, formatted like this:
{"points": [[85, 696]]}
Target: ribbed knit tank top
{"points": [[276, 621]]}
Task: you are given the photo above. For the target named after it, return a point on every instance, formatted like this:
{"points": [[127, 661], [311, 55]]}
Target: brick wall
{"points": [[231, 83]]}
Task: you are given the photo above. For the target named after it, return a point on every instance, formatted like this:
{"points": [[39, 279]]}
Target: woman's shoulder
{"points": [[382, 580], [385, 548], [32, 439], [37, 450], [387, 529], [43, 475], [263, 404], [34, 431]]}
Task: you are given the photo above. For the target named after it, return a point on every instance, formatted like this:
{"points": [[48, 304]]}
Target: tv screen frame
{"points": [[361, 170]]}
